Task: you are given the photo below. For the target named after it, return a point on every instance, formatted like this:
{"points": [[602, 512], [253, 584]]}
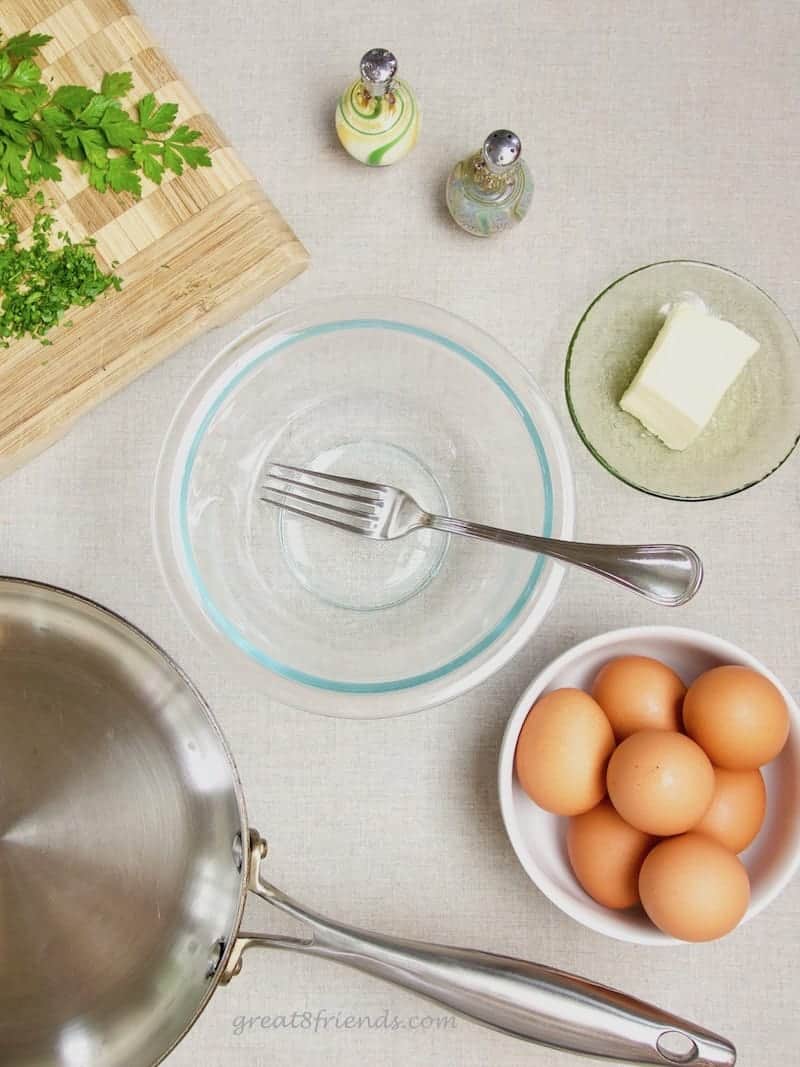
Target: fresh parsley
{"points": [[112, 144], [42, 280]]}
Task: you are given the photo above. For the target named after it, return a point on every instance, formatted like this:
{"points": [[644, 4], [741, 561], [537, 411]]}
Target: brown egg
{"points": [[737, 808], [562, 752], [694, 888], [606, 854], [737, 716], [639, 693], [661, 782]]}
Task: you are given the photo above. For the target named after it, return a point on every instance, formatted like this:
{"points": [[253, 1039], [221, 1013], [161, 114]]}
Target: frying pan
{"points": [[126, 859]]}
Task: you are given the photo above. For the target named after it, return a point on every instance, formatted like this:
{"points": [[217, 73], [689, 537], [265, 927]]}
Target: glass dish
{"points": [[757, 424], [384, 389]]}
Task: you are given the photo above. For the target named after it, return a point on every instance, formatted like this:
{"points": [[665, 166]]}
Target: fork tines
{"points": [[347, 503]]}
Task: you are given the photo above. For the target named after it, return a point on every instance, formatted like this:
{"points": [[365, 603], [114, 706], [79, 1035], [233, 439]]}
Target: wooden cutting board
{"points": [[192, 253]]}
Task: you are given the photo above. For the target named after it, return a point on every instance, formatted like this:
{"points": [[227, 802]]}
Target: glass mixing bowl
{"points": [[388, 390]]}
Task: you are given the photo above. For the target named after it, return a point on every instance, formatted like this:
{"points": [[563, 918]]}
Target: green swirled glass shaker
{"points": [[491, 190], [377, 117]]}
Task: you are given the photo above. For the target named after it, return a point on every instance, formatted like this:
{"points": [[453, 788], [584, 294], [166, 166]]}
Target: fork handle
{"points": [[669, 575]]}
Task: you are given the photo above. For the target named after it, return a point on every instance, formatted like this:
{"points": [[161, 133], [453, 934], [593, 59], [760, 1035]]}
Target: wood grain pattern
{"points": [[192, 253]]}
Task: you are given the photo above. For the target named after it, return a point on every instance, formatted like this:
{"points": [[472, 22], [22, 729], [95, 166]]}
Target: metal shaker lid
{"points": [[378, 69], [501, 151]]}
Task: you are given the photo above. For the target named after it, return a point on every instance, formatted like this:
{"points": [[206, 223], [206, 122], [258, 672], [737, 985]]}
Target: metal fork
{"points": [[669, 575]]}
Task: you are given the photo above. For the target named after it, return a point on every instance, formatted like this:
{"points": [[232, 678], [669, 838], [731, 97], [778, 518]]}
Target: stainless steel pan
{"points": [[126, 858]]}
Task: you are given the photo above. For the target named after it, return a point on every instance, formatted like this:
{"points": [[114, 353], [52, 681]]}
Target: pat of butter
{"points": [[692, 364]]}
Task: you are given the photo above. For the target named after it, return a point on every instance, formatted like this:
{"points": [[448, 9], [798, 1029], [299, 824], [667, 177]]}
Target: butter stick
{"points": [[693, 362]]}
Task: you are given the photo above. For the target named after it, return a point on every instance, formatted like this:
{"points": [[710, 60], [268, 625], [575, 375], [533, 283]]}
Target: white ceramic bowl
{"points": [[539, 838]]}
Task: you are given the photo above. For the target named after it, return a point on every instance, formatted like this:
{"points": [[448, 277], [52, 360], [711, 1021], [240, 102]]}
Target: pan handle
{"points": [[525, 1000]]}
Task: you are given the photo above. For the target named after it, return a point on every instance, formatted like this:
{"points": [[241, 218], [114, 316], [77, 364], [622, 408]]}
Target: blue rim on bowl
{"points": [[239, 638], [243, 358]]}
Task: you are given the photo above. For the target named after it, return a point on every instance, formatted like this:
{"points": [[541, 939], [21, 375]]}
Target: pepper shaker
{"points": [[377, 117], [491, 190]]}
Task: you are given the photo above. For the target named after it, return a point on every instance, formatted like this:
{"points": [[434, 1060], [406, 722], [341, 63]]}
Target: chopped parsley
{"points": [[41, 281]]}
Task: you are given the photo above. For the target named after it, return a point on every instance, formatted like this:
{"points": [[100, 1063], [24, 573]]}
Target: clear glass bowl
{"points": [[384, 389], [757, 424]]}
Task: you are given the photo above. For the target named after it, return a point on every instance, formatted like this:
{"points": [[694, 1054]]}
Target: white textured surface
{"points": [[654, 130]]}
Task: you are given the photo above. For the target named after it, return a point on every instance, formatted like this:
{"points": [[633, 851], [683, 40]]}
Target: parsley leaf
{"points": [[194, 155], [184, 135], [41, 166], [146, 155], [172, 160], [123, 177], [181, 140], [156, 119], [53, 116], [113, 145], [25, 74], [72, 98], [146, 107], [115, 86], [119, 128], [92, 114], [94, 147], [12, 171], [26, 45]]}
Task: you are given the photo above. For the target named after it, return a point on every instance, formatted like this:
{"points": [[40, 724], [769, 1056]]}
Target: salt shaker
{"points": [[491, 190], [377, 117]]}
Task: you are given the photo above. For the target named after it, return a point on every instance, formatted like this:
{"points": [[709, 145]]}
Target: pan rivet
{"points": [[215, 958], [238, 852], [677, 1047]]}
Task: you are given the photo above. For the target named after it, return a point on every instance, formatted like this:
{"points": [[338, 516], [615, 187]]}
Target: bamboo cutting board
{"points": [[192, 253]]}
